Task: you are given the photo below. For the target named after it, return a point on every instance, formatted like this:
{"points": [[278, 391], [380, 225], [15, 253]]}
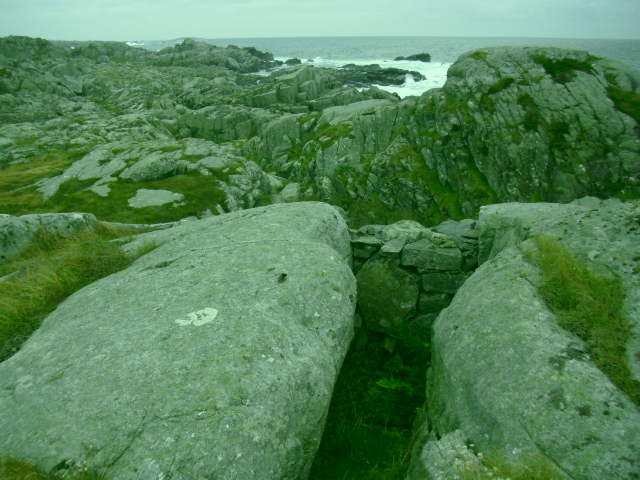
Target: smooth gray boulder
{"points": [[505, 373], [17, 232], [291, 192], [148, 198], [154, 167], [214, 356]]}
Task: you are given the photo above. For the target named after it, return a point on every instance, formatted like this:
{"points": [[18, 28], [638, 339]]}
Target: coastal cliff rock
{"points": [[504, 372], [510, 124], [215, 355]]}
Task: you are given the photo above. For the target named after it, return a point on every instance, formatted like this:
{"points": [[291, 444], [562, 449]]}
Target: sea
{"points": [[335, 52]]}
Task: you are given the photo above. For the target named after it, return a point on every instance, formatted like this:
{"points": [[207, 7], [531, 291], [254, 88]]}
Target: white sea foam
{"points": [[435, 73]]}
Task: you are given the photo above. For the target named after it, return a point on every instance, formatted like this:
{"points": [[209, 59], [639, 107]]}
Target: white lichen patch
{"points": [[199, 318]]}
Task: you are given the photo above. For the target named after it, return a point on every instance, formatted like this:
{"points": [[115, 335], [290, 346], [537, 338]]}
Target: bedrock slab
{"points": [[214, 356], [505, 373]]}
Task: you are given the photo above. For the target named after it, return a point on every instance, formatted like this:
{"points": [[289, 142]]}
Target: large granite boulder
{"points": [[506, 373], [214, 356]]}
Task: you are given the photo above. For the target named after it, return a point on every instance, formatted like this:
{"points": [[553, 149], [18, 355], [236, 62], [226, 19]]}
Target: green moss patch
{"points": [[564, 70], [479, 55], [201, 192], [501, 85], [625, 101], [496, 466], [13, 469], [377, 394], [590, 307], [18, 175]]}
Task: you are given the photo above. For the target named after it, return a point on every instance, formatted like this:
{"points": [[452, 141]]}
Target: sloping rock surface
{"points": [[505, 372], [214, 356]]}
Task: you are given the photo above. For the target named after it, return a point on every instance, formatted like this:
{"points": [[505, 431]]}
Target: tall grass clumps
{"points": [[590, 306], [368, 432], [48, 271]]}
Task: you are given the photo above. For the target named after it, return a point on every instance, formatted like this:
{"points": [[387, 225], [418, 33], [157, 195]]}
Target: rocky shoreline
{"points": [[230, 336]]}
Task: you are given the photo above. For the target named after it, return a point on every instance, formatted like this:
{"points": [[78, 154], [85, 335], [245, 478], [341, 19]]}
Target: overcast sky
{"points": [[168, 19]]}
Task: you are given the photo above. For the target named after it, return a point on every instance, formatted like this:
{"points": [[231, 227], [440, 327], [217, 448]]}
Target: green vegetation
{"points": [[20, 175], [200, 192], [495, 466], [479, 55], [373, 211], [589, 306], [48, 271], [564, 70], [501, 85], [557, 132], [532, 118], [626, 101], [12, 469], [377, 394]]}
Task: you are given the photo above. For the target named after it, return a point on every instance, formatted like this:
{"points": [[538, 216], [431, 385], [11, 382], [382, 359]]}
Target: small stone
{"points": [[433, 302], [364, 247], [424, 255], [408, 229], [393, 248], [442, 282]]}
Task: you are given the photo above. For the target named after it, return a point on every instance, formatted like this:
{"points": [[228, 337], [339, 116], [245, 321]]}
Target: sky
{"points": [[123, 20]]}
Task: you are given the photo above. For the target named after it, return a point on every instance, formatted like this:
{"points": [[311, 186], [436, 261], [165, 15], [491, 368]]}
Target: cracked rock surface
{"points": [[214, 356]]}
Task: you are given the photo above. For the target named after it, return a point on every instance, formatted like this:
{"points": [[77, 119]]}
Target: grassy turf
{"points": [[47, 272], [589, 306]]}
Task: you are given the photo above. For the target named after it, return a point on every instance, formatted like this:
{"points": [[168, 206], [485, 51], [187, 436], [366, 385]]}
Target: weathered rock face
{"points": [[510, 124], [506, 374], [534, 124], [604, 233], [213, 356], [406, 274]]}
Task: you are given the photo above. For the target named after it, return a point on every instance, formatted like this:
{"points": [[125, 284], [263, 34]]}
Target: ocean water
{"points": [[337, 51]]}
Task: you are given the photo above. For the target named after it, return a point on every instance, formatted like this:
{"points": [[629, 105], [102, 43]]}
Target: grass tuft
{"points": [[48, 271], [13, 469], [626, 101], [368, 431], [590, 306]]}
